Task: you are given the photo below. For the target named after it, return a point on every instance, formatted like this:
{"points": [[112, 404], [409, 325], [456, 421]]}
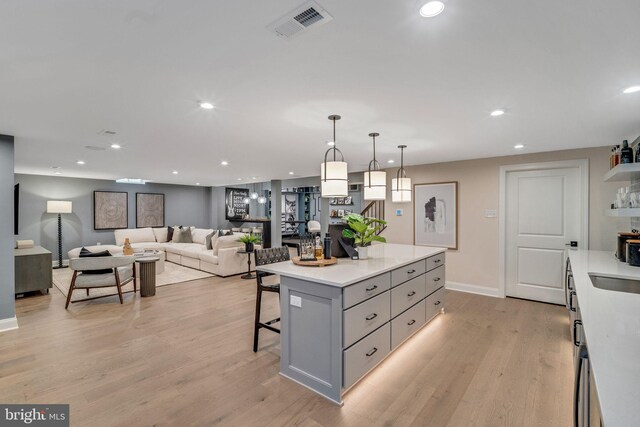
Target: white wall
{"points": [[476, 260]]}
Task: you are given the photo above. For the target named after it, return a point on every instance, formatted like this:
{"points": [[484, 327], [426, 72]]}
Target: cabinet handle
{"points": [[435, 261], [411, 271], [411, 323], [583, 354], [412, 293], [437, 279], [576, 342], [571, 307], [372, 352], [371, 316], [374, 287], [436, 303]]}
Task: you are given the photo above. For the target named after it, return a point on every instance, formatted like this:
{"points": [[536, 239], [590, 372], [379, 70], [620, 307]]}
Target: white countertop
{"points": [[382, 258], [611, 322]]}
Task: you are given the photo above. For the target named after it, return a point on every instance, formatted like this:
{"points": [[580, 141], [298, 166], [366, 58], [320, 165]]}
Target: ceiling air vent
{"points": [[106, 132], [305, 17]]}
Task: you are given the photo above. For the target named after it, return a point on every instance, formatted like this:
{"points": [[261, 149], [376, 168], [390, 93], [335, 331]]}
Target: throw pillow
{"points": [[169, 234], [177, 232], [207, 240], [185, 235], [86, 253], [225, 233]]}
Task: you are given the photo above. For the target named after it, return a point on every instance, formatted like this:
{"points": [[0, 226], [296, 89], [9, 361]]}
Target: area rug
{"points": [[172, 274]]}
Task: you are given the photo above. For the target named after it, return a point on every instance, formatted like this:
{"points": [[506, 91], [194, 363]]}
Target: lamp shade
{"points": [[335, 182], [375, 185], [401, 190], [58, 206]]}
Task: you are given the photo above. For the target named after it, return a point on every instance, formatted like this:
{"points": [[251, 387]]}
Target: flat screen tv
{"points": [[16, 204]]}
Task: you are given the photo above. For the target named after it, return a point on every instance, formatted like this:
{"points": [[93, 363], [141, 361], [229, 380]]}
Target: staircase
{"points": [[375, 209]]}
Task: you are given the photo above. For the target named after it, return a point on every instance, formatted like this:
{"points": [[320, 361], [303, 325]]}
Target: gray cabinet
{"points": [[33, 269], [334, 335]]}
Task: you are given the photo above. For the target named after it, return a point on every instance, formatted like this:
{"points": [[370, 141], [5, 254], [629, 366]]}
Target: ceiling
{"points": [[73, 68]]}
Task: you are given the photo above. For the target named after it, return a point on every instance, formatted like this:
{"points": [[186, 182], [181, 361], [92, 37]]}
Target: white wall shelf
{"points": [[623, 212], [625, 172]]}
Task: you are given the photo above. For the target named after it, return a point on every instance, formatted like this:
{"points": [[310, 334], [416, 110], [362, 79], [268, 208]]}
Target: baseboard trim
{"points": [[473, 289], [8, 324]]}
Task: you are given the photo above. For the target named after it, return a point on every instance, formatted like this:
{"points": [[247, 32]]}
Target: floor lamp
{"points": [[59, 207]]}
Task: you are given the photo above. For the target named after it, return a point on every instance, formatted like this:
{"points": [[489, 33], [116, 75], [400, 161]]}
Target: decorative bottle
{"points": [[127, 249], [319, 253], [327, 246], [626, 153]]}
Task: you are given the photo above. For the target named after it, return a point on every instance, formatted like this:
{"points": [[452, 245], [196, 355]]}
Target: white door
{"points": [[543, 213]]}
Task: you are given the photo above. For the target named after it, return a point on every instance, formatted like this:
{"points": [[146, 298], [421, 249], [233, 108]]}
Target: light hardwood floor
{"points": [[184, 358]]}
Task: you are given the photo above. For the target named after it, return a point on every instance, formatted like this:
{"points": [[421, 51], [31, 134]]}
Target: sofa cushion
{"points": [[199, 235], [226, 242], [208, 256], [148, 245], [161, 234], [191, 250], [135, 235]]}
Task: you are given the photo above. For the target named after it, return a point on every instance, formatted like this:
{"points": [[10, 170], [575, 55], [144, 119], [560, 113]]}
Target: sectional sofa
{"points": [[218, 256]]}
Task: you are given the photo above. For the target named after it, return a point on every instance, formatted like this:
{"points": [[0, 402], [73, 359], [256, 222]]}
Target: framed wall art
{"points": [[235, 207], [436, 214], [149, 210], [110, 210]]}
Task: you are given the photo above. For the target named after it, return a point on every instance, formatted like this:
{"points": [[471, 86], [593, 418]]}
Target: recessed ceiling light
{"points": [[206, 105], [518, 146], [391, 161], [632, 89], [58, 173], [291, 173], [331, 143], [496, 113], [80, 162], [239, 179], [224, 163], [431, 9], [175, 172], [253, 177], [197, 183], [116, 146]]}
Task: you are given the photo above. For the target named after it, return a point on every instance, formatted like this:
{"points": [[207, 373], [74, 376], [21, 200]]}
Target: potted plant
{"points": [[249, 240], [363, 231]]}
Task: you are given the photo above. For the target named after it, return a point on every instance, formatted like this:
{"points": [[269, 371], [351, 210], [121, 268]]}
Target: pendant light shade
{"points": [[246, 200], [401, 185], [375, 180], [334, 178]]}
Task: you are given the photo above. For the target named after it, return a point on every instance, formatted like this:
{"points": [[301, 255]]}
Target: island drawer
{"points": [[434, 302], [435, 279], [365, 318], [407, 323], [366, 354], [407, 294], [407, 272], [435, 261], [366, 289]]}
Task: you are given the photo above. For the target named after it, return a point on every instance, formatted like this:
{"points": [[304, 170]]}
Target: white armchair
{"points": [[122, 267]]}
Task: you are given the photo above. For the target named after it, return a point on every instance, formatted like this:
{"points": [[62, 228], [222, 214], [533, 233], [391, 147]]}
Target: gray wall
{"points": [[7, 280], [184, 205]]}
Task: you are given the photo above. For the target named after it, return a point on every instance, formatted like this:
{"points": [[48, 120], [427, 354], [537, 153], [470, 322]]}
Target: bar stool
{"points": [[264, 257]]}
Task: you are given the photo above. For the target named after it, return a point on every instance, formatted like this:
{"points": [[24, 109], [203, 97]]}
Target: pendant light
{"points": [[375, 180], [261, 199], [401, 185], [333, 173]]}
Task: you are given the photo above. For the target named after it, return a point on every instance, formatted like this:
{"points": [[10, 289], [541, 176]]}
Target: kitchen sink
{"points": [[615, 284]]}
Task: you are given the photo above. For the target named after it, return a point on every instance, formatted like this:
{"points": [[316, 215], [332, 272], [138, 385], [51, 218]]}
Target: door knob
{"points": [[573, 244]]}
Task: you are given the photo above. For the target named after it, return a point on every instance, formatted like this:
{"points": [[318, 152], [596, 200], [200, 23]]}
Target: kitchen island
{"points": [[339, 322], [610, 328]]}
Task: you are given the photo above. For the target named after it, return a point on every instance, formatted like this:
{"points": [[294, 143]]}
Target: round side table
{"points": [[147, 275], [248, 275]]}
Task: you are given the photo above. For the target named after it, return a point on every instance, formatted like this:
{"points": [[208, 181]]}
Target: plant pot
{"points": [[363, 252], [248, 247]]}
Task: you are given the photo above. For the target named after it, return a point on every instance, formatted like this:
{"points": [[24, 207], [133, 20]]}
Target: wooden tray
{"points": [[316, 263]]}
